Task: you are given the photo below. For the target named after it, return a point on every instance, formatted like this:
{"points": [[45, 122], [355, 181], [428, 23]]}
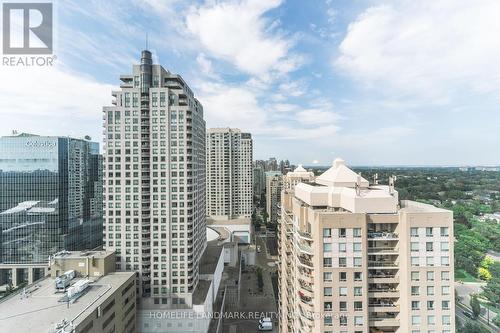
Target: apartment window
{"points": [[415, 261], [327, 276], [415, 305], [445, 305], [343, 306], [444, 232], [342, 262], [327, 262], [356, 232], [415, 320], [343, 291], [430, 305], [358, 276], [327, 247], [430, 290], [415, 290], [431, 320], [342, 232], [328, 321], [356, 247], [358, 320], [430, 276], [429, 232], [327, 306], [445, 261], [343, 276], [446, 320], [414, 232], [343, 320], [415, 276], [445, 246], [429, 246], [358, 291], [445, 276], [342, 247], [414, 246], [430, 261], [357, 262], [445, 290]]}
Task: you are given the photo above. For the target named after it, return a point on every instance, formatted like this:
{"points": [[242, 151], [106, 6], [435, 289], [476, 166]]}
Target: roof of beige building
{"points": [[340, 175], [340, 187]]}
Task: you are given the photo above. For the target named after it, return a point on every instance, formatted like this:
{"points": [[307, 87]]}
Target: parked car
{"points": [[266, 326], [468, 314]]}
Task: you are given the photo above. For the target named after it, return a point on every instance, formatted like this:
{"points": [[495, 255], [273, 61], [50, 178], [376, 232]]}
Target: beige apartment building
{"points": [[353, 258], [274, 186], [229, 174]]}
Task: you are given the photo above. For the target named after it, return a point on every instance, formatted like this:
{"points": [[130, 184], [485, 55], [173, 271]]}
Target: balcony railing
{"points": [[382, 235]]}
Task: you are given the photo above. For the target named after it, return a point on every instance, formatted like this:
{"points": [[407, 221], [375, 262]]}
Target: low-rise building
{"points": [[101, 301]]}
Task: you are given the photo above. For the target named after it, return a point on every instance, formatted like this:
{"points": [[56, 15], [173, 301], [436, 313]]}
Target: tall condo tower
{"points": [[154, 152], [229, 174]]}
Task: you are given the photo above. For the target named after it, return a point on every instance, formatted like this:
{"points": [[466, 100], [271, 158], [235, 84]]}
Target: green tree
{"points": [[492, 289], [473, 327], [496, 320], [475, 306]]}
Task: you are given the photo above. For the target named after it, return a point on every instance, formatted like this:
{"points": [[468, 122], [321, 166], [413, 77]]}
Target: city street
{"points": [[464, 290], [253, 303]]}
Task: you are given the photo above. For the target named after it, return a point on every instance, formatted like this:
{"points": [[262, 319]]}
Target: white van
{"points": [[266, 326], [263, 320]]}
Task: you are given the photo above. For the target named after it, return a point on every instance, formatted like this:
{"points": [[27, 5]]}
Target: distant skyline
{"points": [[374, 82]]}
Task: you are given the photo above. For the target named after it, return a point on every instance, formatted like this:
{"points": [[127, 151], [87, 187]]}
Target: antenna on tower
{"points": [[147, 41], [358, 185], [392, 180], [375, 179]]}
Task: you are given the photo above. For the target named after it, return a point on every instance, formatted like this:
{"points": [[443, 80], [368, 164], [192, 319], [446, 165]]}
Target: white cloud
{"points": [[241, 106], [293, 88], [238, 32], [48, 100], [432, 48], [205, 65]]}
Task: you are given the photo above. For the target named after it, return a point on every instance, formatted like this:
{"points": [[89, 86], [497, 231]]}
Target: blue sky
{"points": [[374, 82]]}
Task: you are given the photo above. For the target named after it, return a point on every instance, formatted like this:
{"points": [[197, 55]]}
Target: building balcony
{"points": [[304, 235], [383, 250], [379, 308], [384, 322], [305, 263], [383, 264], [382, 235], [304, 248]]}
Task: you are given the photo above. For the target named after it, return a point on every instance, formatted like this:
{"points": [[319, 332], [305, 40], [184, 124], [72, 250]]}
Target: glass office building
{"points": [[50, 197]]}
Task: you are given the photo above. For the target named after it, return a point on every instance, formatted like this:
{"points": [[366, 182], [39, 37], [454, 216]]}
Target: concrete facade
{"points": [[229, 174], [274, 185], [107, 305], [154, 152], [353, 258]]}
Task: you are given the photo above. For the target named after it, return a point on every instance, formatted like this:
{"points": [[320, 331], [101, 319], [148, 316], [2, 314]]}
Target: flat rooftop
{"points": [[82, 254], [238, 221], [420, 207], [39, 310], [210, 258], [200, 293]]}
